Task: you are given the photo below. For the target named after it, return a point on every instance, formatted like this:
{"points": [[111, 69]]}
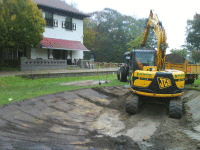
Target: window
{"points": [[147, 59], [68, 23], [74, 26], [49, 19], [63, 24], [55, 23], [10, 53]]}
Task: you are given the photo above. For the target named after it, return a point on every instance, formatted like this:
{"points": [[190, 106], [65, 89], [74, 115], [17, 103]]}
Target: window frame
{"points": [[68, 23], [49, 20]]}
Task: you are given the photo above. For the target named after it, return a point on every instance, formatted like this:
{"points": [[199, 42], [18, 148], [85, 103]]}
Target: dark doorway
{"points": [[57, 54]]}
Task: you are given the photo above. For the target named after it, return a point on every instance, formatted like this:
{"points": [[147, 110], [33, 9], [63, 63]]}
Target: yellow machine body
{"points": [[144, 78]]}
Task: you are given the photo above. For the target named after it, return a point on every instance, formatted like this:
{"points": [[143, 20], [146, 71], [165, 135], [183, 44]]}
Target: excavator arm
{"points": [[159, 30]]}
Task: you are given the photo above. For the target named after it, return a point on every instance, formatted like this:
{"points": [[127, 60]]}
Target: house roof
{"points": [[52, 43], [61, 5]]}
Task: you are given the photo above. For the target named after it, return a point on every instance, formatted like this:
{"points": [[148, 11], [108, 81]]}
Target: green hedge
{"points": [[10, 64]]}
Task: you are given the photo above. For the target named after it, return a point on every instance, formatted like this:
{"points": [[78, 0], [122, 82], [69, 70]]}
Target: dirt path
{"points": [[93, 119]]}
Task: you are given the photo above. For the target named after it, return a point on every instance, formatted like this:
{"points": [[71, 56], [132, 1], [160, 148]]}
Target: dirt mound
{"points": [[174, 58]]}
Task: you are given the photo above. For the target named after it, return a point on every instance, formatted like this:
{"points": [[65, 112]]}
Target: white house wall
{"points": [[77, 55], [39, 53], [62, 33]]}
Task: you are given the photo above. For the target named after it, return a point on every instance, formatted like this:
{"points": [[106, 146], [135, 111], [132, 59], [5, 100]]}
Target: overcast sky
{"points": [[172, 13]]}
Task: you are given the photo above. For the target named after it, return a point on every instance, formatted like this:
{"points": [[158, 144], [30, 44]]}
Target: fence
{"points": [[107, 65], [85, 63], [39, 64]]}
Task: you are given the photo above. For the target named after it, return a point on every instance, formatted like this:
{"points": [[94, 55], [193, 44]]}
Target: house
{"points": [[63, 36], [62, 40]]}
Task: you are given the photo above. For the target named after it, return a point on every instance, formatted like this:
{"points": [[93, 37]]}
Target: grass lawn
{"points": [[195, 86], [20, 88]]}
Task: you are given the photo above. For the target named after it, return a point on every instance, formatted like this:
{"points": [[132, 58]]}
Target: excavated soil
{"points": [[174, 58], [94, 119]]}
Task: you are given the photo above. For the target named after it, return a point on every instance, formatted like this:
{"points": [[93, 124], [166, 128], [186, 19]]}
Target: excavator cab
{"points": [[140, 59]]}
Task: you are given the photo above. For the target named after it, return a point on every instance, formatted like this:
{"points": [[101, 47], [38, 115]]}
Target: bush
{"points": [[10, 64]]}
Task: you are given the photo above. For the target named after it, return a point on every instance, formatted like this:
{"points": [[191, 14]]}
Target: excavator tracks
{"points": [[132, 104], [175, 108]]}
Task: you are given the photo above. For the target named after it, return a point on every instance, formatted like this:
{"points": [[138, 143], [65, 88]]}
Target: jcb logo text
{"points": [[163, 82]]}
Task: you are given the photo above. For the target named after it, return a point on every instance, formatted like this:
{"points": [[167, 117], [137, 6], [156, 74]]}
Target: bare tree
{"points": [[72, 3]]}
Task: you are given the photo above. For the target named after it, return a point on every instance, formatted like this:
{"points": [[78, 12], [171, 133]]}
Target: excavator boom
{"points": [[159, 30]]}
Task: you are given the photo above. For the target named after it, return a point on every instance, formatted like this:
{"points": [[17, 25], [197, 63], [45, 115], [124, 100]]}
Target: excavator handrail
{"points": [[161, 39]]}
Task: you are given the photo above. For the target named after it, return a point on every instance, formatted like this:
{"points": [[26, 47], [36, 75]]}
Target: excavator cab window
{"points": [[140, 58], [146, 59]]}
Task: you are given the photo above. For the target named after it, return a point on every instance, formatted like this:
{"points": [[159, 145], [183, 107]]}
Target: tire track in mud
{"points": [[44, 127], [94, 102], [42, 130]]}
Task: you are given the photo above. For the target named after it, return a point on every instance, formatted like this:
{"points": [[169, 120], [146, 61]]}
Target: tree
{"points": [[111, 38], [181, 52], [193, 36], [22, 24], [112, 33], [137, 36], [73, 4], [89, 36], [195, 56], [135, 43]]}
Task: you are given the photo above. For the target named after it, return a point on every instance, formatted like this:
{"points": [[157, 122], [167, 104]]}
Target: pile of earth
{"points": [[174, 58]]}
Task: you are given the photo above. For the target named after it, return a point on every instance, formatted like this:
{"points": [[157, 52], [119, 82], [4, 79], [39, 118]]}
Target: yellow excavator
{"points": [[148, 76]]}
